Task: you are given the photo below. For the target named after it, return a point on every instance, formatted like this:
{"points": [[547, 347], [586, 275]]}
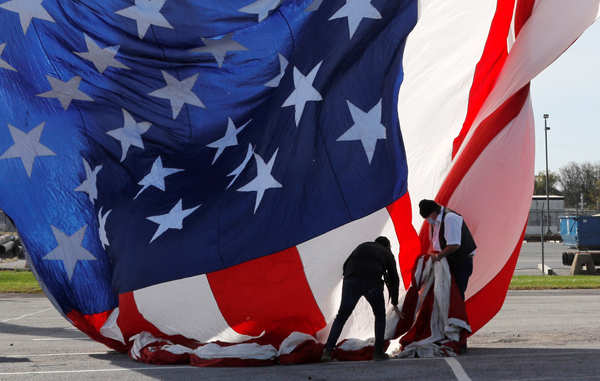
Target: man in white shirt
{"points": [[451, 239]]}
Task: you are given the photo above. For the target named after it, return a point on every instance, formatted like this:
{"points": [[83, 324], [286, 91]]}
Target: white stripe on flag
{"points": [[439, 64], [186, 307]]}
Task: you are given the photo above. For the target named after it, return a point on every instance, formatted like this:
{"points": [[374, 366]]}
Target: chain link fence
{"points": [[551, 221]]}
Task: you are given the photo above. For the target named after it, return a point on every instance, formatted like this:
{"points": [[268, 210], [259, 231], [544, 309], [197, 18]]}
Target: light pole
{"points": [[546, 128]]}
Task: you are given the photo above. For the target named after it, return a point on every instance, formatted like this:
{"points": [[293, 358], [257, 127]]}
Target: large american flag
{"points": [[201, 169]]}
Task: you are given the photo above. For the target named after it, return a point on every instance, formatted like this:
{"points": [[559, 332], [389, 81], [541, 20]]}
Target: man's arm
{"points": [[394, 280], [452, 234]]}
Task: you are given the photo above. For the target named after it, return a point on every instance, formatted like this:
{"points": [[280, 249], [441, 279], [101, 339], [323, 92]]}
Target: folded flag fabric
{"points": [[435, 320]]}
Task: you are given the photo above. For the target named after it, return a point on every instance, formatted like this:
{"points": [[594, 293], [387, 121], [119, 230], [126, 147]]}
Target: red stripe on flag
{"points": [[484, 134], [269, 294], [486, 303], [482, 309], [91, 324], [489, 66], [482, 306], [410, 247], [130, 320], [524, 9], [490, 127]]}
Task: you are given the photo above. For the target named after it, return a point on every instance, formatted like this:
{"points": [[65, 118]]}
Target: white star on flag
{"points": [[236, 172], [172, 220], [261, 8], [229, 140], [156, 176], [69, 250], [102, 58], [102, 228], [178, 92], [367, 128], [303, 91], [130, 134], [264, 179], [89, 184], [4, 64], [27, 146], [356, 11], [283, 64], [146, 13], [219, 47], [65, 92], [27, 10]]}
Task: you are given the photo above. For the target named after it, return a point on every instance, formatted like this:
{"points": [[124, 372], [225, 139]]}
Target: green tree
{"points": [[597, 195], [580, 179], [553, 184]]}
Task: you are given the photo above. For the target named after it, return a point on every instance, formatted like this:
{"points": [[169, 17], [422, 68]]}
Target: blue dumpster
{"points": [[582, 232]]}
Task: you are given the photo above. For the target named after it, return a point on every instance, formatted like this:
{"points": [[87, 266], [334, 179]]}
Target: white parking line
{"points": [[457, 369], [56, 354], [26, 315], [97, 370], [61, 338]]}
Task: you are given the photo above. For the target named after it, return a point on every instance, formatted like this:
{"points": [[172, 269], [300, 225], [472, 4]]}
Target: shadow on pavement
{"points": [[405, 369], [58, 332], [479, 363], [14, 359]]}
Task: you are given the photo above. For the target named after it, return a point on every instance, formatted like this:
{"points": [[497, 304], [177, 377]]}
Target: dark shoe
{"points": [[463, 349], [381, 357], [326, 356]]}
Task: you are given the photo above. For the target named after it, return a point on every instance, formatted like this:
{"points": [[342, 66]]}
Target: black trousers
{"points": [[461, 271], [352, 290]]}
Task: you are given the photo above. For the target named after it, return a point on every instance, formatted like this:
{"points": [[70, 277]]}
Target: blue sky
{"points": [[569, 90]]}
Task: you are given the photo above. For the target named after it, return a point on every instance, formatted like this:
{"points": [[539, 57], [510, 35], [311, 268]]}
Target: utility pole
{"points": [[546, 128]]}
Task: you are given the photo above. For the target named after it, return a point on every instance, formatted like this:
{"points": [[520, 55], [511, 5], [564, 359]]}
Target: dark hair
{"points": [[383, 241], [426, 207]]}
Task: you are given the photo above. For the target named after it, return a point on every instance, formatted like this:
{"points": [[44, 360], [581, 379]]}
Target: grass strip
{"points": [[25, 282], [19, 281], [540, 282]]}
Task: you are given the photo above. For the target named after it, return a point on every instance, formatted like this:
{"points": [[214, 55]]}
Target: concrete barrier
{"points": [[583, 264], [547, 269]]}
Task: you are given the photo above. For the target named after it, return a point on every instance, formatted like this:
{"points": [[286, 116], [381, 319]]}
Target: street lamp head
{"points": [[546, 116]]}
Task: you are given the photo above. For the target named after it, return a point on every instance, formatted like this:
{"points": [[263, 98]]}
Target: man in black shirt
{"points": [[364, 273]]}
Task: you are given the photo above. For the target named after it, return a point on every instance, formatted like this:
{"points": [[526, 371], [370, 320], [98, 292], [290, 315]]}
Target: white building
{"points": [[5, 224], [539, 205]]}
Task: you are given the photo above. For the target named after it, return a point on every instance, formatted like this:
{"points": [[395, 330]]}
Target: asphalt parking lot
{"points": [[531, 256], [539, 335]]}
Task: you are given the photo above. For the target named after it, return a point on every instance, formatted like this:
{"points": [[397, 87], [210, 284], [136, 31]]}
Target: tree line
{"points": [[572, 181]]}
